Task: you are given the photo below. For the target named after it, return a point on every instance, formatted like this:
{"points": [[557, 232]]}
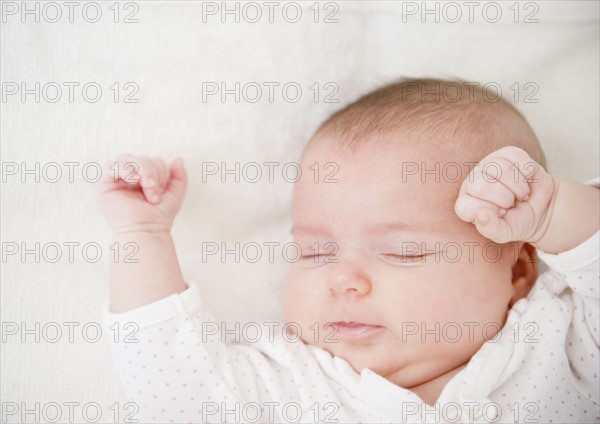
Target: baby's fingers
{"points": [[154, 177], [471, 209], [496, 180], [149, 173], [489, 219]]}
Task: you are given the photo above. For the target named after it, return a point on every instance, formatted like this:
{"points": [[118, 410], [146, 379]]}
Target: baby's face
{"points": [[397, 315]]}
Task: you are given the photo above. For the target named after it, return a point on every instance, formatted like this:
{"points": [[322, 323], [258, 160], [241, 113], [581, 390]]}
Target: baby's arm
{"points": [[140, 197], [552, 212], [177, 365], [574, 217], [560, 216]]}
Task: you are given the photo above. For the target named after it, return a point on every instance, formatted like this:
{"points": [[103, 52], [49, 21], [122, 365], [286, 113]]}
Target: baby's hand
{"points": [[507, 196], [140, 194]]}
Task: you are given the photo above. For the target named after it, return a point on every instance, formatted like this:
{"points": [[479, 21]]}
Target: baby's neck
{"points": [[430, 391]]}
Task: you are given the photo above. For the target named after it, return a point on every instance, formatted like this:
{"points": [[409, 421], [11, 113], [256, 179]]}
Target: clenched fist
{"points": [[139, 193], [508, 197]]}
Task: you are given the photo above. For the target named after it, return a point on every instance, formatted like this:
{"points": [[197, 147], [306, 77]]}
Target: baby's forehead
{"points": [[404, 145], [398, 167]]}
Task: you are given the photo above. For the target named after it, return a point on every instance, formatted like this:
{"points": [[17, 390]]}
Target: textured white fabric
{"points": [[169, 53], [542, 367]]}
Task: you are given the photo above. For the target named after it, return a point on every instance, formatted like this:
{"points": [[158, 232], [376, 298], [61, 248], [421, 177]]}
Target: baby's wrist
{"points": [[145, 228], [540, 234], [571, 216]]}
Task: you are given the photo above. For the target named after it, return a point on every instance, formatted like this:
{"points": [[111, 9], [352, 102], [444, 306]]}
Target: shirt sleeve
{"points": [[576, 272], [173, 363], [579, 266]]}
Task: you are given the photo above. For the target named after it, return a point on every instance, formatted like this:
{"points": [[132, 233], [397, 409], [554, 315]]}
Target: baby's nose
{"points": [[346, 278]]}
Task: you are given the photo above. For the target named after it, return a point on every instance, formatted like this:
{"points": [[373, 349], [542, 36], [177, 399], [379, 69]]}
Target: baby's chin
{"points": [[375, 357], [401, 367]]}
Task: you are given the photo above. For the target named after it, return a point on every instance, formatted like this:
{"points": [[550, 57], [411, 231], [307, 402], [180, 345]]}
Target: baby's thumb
{"points": [[177, 179], [492, 227]]}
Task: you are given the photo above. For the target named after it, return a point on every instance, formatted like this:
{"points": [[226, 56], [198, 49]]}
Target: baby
{"points": [[417, 296]]}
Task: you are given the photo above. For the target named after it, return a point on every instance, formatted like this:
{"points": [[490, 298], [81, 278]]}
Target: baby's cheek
{"points": [[288, 303], [294, 301]]}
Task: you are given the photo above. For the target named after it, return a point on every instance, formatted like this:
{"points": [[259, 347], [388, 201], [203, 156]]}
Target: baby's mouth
{"points": [[353, 329]]}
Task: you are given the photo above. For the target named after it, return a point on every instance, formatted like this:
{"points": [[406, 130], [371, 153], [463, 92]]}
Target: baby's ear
{"points": [[524, 272]]}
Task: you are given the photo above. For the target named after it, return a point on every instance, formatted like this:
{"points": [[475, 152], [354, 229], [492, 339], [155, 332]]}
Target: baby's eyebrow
{"points": [[405, 227], [308, 229], [380, 228]]}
